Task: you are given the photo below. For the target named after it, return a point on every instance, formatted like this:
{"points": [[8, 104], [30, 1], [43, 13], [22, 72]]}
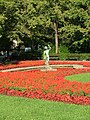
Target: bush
{"points": [[74, 56]]}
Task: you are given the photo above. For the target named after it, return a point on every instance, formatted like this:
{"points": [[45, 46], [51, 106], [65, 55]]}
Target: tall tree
{"points": [[40, 21]]}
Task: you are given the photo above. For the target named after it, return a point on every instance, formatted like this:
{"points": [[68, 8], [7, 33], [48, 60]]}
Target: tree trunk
{"points": [[56, 38]]}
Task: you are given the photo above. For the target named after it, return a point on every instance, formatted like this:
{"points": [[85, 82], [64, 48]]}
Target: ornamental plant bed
{"points": [[49, 85], [41, 62]]}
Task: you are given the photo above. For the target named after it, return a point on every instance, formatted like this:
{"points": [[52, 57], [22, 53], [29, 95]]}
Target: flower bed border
{"points": [[81, 100]]}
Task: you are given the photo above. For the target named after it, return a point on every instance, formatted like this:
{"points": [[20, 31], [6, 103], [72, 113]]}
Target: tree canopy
{"points": [[34, 22]]}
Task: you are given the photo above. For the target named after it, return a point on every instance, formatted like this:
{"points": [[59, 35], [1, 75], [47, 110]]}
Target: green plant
{"points": [[63, 49], [17, 88]]}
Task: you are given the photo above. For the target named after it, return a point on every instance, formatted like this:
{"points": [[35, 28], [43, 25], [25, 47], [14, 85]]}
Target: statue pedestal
{"points": [[48, 68]]}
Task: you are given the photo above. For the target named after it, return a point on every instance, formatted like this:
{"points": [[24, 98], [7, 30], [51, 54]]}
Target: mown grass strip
{"points": [[83, 77], [16, 108]]}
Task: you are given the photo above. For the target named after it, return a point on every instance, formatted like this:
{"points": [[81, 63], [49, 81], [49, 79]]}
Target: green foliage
{"points": [[63, 56], [33, 55], [17, 88], [29, 21], [76, 56], [63, 49], [63, 52]]}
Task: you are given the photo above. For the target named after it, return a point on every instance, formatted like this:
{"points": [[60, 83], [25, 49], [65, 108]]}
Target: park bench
{"points": [[54, 57]]}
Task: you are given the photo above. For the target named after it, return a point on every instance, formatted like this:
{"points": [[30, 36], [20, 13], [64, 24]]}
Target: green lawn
{"points": [[83, 77], [16, 108]]}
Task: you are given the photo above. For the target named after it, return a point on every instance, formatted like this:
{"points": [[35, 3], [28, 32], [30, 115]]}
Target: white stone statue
{"points": [[46, 54]]}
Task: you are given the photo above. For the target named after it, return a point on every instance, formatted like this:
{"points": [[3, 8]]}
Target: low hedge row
{"points": [[74, 56]]}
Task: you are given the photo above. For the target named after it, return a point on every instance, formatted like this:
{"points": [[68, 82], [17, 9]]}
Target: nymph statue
{"points": [[46, 54]]}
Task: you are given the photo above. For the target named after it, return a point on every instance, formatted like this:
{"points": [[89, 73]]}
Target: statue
{"points": [[46, 58], [46, 54]]}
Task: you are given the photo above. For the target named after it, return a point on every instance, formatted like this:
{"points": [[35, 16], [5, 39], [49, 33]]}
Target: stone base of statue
{"points": [[48, 68]]}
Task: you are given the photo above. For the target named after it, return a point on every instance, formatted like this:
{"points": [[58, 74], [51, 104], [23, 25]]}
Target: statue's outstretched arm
{"points": [[49, 47]]}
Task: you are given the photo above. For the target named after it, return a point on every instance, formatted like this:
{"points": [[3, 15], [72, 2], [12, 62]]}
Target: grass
{"points": [[83, 77], [16, 108]]}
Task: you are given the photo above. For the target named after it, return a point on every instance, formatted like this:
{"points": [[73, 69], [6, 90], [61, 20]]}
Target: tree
{"points": [[36, 22], [77, 21]]}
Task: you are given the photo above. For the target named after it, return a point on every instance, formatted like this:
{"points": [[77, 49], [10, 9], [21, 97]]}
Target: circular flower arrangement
{"points": [[48, 85]]}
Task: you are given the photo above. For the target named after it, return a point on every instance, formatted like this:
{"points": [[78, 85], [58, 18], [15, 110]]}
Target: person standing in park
{"points": [[46, 54]]}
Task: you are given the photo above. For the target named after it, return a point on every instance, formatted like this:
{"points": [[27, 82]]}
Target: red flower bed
{"points": [[21, 64], [49, 85], [82, 100]]}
